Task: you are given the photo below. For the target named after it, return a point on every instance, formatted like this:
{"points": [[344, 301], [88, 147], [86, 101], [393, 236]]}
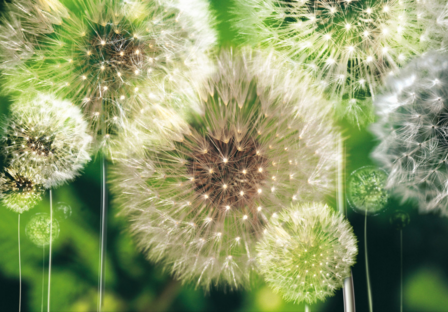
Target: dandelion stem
{"points": [[369, 289], [103, 232], [307, 308], [166, 297], [401, 270], [43, 279], [101, 285], [49, 250], [20, 267], [348, 288]]}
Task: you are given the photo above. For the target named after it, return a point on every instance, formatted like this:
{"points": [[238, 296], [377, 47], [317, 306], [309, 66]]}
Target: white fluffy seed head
{"points": [[106, 49], [306, 252], [351, 46], [48, 135], [266, 122], [412, 128]]}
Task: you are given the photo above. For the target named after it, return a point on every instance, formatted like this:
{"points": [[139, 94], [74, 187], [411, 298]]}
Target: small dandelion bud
{"points": [[250, 91], [399, 220], [412, 132], [20, 188], [53, 139], [38, 229], [295, 249], [336, 41]]}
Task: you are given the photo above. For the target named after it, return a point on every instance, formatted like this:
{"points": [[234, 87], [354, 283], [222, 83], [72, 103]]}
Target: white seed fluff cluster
{"points": [[48, 135], [349, 45], [103, 53], [306, 252], [199, 201], [413, 132], [22, 22]]}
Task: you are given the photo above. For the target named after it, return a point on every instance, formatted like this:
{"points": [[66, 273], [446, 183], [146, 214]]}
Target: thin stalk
{"points": [[369, 289], [103, 233], [49, 251], [43, 280], [348, 288], [307, 308], [101, 282], [401, 270], [20, 267]]}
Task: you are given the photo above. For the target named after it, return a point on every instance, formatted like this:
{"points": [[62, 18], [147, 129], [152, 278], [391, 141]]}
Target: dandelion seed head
{"points": [[49, 135], [412, 132], [38, 229], [306, 252], [249, 92], [386, 29], [117, 48], [366, 191]]}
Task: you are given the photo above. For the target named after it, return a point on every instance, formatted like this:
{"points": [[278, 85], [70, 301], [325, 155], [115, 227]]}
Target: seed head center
{"points": [[228, 173]]}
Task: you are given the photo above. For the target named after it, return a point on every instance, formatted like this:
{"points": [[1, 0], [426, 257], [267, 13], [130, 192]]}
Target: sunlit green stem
{"points": [[20, 267], [369, 289], [307, 308], [43, 279], [401, 270], [101, 284], [49, 250], [348, 287]]}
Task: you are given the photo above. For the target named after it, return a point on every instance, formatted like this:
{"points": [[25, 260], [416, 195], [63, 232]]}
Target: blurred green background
{"points": [[134, 284]]}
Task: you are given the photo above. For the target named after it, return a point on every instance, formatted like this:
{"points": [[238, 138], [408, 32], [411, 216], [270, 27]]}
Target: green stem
{"points": [[369, 289], [401, 270], [103, 233], [101, 282], [43, 280], [20, 267], [348, 288], [307, 308], [49, 251]]}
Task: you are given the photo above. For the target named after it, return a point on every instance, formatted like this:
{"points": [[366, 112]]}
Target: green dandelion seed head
{"points": [[39, 228], [306, 252], [20, 188], [366, 191]]}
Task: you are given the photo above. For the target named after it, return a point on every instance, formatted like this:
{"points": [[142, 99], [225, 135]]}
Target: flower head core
{"points": [[228, 171]]}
